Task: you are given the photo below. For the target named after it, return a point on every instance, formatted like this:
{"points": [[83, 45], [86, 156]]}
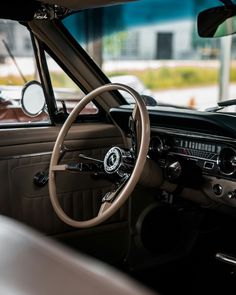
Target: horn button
{"points": [[114, 161]]}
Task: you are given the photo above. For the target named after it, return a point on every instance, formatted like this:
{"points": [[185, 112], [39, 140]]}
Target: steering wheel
{"points": [[125, 165]]}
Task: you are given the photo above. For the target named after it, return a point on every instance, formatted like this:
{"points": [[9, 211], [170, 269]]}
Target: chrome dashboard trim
{"points": [[208, 168], [193, 157]]}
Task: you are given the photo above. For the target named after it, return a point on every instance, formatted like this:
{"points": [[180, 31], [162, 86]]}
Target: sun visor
{"points": [[83, 4], [22, 10]]}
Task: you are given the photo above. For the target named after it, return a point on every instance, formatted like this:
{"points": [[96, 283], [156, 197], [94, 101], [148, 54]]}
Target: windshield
{"points": [[153, 46]]}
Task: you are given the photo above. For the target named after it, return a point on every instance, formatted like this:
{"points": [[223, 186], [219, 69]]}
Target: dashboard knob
{"points": [[232, 195], [217, 189], [173, 170]]}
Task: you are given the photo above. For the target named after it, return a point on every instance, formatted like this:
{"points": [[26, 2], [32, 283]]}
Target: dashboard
{"points": [[196, 153]]}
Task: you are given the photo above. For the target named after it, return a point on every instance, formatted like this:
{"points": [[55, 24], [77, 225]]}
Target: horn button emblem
{"points": [[113, 160]]}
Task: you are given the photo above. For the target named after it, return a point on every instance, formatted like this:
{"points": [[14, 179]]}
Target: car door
{"points": [[25, 149]]}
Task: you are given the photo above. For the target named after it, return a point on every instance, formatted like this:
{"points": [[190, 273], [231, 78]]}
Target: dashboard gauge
{"points": [[227, 161]]}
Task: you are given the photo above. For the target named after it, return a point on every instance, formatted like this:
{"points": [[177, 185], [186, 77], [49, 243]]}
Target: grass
{"points": [[58, 80], [154, 79], [177, 77], [14, 80]]}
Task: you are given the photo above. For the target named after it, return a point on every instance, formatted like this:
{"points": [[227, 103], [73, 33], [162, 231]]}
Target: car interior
{"points": [[90, 179]]}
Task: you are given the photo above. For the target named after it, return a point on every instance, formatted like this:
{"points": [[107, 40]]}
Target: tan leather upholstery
{"points": [[31, 264]]}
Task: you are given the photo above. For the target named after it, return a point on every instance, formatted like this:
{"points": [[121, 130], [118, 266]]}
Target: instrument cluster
{"points": [[191, 155]]}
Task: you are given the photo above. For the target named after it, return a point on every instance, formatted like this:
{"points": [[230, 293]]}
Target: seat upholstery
{"points": [[33, 264]]}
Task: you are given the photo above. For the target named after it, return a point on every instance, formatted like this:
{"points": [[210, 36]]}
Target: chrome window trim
{"points": [[24, 156]]}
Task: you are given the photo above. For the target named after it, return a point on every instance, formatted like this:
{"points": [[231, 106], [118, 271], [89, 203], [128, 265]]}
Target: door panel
{"points": [[25, 141], [25, 152]]}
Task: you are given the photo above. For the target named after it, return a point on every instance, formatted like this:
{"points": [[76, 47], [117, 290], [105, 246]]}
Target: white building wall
{"points": [[22, 39], [17, 38], [182, 39], [147, 43]]}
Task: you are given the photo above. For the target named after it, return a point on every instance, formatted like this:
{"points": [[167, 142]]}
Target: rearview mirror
{"points": [[217, 21], [32, 99]]}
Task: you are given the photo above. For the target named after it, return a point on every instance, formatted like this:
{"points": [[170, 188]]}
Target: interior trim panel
{"points": [[18, 142]]}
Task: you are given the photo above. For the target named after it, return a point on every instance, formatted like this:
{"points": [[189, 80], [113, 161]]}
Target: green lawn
{"points": [[178, 77], [154, 79]]}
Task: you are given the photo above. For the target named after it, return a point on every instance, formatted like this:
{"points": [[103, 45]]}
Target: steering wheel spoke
{"points": [[58, 168], [79, 167]]}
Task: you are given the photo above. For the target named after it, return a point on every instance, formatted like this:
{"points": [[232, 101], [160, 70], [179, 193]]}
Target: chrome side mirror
{"points": [[32, 99]]}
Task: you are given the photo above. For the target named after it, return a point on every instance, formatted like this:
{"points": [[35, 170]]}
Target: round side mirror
{"points": [[33, 99]]}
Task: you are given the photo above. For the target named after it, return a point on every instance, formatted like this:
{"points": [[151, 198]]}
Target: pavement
{"points": [[196, 97]]}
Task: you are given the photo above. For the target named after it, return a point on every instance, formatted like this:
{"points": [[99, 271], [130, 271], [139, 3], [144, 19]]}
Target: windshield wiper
{"points": [[221, 105], [227, 103]]}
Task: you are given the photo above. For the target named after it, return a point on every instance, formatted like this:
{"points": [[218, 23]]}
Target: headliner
{"points": [[24, 10], [83, 4]]}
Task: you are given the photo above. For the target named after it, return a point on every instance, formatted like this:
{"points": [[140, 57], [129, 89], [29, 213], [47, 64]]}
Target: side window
{"points": [[66, 92], [17, 67]]}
